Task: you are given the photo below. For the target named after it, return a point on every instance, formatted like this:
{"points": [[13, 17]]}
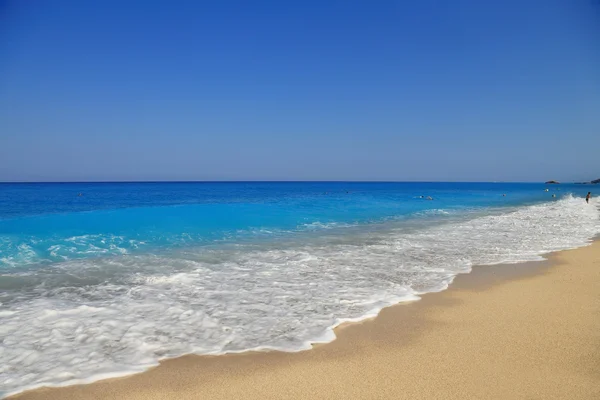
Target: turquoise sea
{"points": [[106, 279]]}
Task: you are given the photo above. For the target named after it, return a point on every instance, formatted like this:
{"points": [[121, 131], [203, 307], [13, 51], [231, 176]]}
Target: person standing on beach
{"points": [[588, 197]]}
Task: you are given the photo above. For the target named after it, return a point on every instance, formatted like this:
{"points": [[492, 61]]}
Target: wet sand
{"points": [[521, 331]]}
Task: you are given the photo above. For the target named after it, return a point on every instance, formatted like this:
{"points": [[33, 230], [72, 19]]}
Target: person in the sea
{"points": [[588, 197]]}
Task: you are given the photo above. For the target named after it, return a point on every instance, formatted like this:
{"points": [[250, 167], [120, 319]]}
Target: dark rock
{"points": [[595, 181], [552, 182]]}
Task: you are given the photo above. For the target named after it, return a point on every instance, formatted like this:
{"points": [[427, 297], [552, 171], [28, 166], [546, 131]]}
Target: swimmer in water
{"points": [[588, 197], [429, 198]]}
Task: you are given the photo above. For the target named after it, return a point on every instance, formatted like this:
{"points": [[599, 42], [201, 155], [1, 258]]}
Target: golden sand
{"points": [[527, 331]]}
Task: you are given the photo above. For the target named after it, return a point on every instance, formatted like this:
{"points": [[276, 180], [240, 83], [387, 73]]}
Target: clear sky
{"points": [[471, 90]]}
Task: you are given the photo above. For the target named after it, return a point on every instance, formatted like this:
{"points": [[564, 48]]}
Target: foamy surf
{"points": [[83, 320]]}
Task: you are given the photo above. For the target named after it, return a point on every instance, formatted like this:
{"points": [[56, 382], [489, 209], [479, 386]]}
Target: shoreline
{"points": [[397, 327], [206, 310]]}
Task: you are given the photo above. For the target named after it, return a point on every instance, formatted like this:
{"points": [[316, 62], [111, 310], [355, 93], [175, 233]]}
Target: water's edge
{"points": [[547, 261]]}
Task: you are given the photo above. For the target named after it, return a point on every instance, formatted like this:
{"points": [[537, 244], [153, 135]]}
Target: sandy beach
{"points": [[522, 331]]}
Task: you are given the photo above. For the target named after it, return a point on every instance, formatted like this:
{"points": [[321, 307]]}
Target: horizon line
{"points": [[273, 181]]}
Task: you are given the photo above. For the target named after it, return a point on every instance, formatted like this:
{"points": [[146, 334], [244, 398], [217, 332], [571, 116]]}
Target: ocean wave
{"points": [[317, 225], [23, 252], [88, 319]]}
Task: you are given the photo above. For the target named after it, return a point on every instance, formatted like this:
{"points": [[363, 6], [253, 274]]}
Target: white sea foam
{"points": [[324, 225], [18, 255], [91, 319]]}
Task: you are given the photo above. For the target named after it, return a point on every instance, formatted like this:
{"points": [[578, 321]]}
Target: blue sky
{"points": [[300, 90]]}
